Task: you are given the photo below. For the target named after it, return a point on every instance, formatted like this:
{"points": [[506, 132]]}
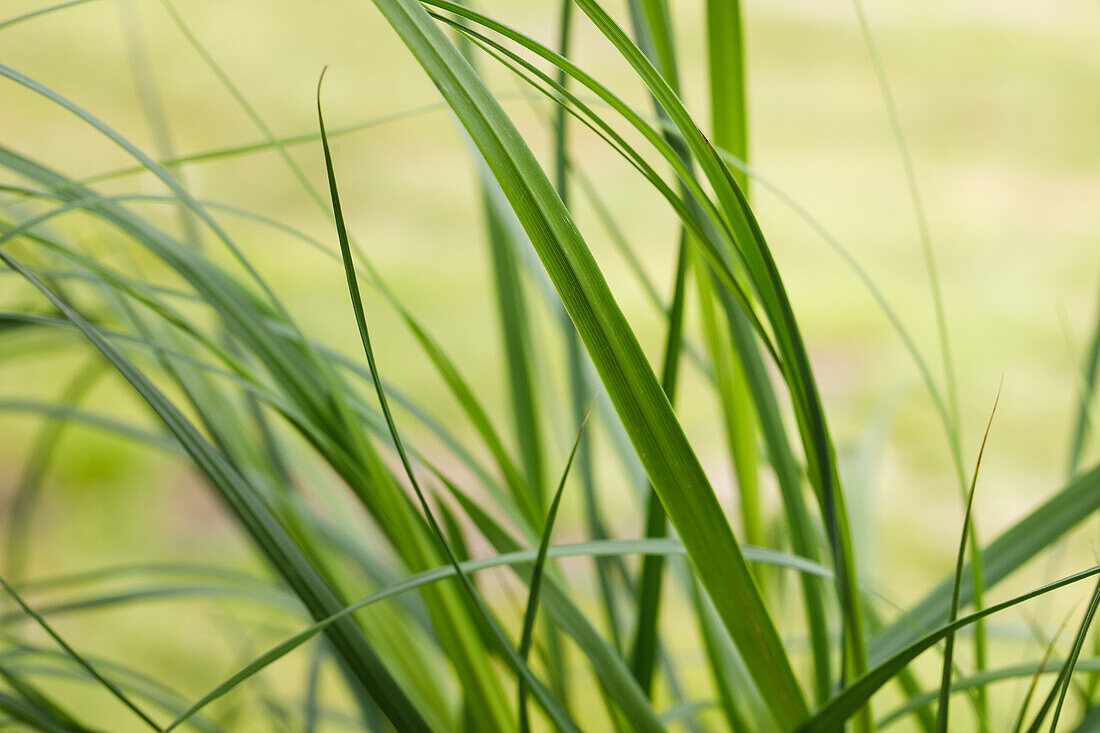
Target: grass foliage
{"points": [[394, 604]]}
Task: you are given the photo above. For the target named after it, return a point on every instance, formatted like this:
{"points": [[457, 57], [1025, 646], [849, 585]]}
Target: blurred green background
{"points": [[998, 103]]}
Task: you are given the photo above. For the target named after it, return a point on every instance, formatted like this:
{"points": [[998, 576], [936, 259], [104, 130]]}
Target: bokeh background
{"points": [[998, 104]]}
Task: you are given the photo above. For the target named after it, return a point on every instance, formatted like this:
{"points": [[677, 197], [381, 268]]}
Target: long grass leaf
{"points": [[79, 658], [953, 613], [531, 612], [557, 713]]}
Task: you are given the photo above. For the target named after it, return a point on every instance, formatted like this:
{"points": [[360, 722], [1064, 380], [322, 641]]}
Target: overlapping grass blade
{"points": [[31, 706], [1057, 694], [1033, 670], [764, 276], [361, 664], [630, 383], [307, 380], [1017, 545], [856, 694], [580, 382], [518, 558], [1038, 673]]}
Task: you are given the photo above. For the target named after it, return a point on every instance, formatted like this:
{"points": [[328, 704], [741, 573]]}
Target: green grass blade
{"points": [[616, 681], [729, 130], [735, 403], [692, 213], [557, 713], [474, 411], [804, 535], [765, 278], [78, 658], [953, 613], [519, 343], [738, 697], [580, 381], [531, 611], [726, 73]]}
